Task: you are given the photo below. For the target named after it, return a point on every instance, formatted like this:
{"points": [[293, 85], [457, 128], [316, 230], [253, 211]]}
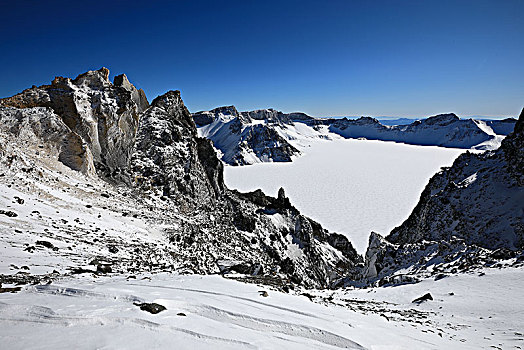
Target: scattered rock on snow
{"points": [[45, 244], [152, 308], [9, 213], [103, 268], [423, 298]]}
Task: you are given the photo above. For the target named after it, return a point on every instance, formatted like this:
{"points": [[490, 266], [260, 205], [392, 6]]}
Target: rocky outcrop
{"points": [[33, 127], [137, 95], [479, 199], [170, 156], [103, 114]]}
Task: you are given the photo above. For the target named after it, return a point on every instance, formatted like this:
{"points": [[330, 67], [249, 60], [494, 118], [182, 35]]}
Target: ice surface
{"points": [[350, 186]]}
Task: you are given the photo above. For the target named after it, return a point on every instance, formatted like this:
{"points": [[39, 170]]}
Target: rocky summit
{"points": [[104, 147]]}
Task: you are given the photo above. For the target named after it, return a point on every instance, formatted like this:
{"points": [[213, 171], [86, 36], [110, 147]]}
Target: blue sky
{"points": [[394, 58]]}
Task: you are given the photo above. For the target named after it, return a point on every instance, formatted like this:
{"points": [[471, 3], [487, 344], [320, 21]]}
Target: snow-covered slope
{"points": [[469, 214], [479, 199], [209, 312], [277, 133], [445, 130]]}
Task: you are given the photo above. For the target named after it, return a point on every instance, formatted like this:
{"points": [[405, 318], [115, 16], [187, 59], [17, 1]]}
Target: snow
{"points": [[92, 313], [349, 186]]}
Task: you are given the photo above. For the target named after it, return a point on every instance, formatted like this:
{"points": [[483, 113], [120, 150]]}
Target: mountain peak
{"points": [[93, 79], [227, 110], [442, 118]]}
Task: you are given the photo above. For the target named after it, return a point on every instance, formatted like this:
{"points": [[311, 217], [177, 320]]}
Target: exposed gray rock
{"points": [[103, 115], [32, 126], [138, 96]]}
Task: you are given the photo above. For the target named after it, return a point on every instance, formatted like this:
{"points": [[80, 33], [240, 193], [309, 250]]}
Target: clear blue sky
{"points": [[395, 58]]}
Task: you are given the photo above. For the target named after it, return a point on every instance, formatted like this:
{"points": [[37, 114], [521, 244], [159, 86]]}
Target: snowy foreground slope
{"points": [[117, 231], [268, 135], [210, 312]]}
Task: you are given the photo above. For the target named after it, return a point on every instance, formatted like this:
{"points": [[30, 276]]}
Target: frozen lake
{"points": [[350, 186]]}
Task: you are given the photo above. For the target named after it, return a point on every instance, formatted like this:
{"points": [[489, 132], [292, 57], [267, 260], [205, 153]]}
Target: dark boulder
{"points": [[152, 308], [423, 298]]}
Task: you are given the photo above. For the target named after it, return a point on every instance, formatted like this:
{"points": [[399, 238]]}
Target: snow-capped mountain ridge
{"points": [[445, 130], [106, 208], [157, 160]]}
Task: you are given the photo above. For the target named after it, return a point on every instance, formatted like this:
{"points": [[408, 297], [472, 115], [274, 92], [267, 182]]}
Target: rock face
{"points": [[169, 155], [40, 124], [103, 115], [268, 135], [153, 158], [138, 96]]}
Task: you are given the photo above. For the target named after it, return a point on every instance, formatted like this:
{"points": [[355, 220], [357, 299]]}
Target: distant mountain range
{"points": [[268, 135]]}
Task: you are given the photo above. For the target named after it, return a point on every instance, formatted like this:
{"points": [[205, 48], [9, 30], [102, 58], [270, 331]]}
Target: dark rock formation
{"points": [[170, 156]]}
